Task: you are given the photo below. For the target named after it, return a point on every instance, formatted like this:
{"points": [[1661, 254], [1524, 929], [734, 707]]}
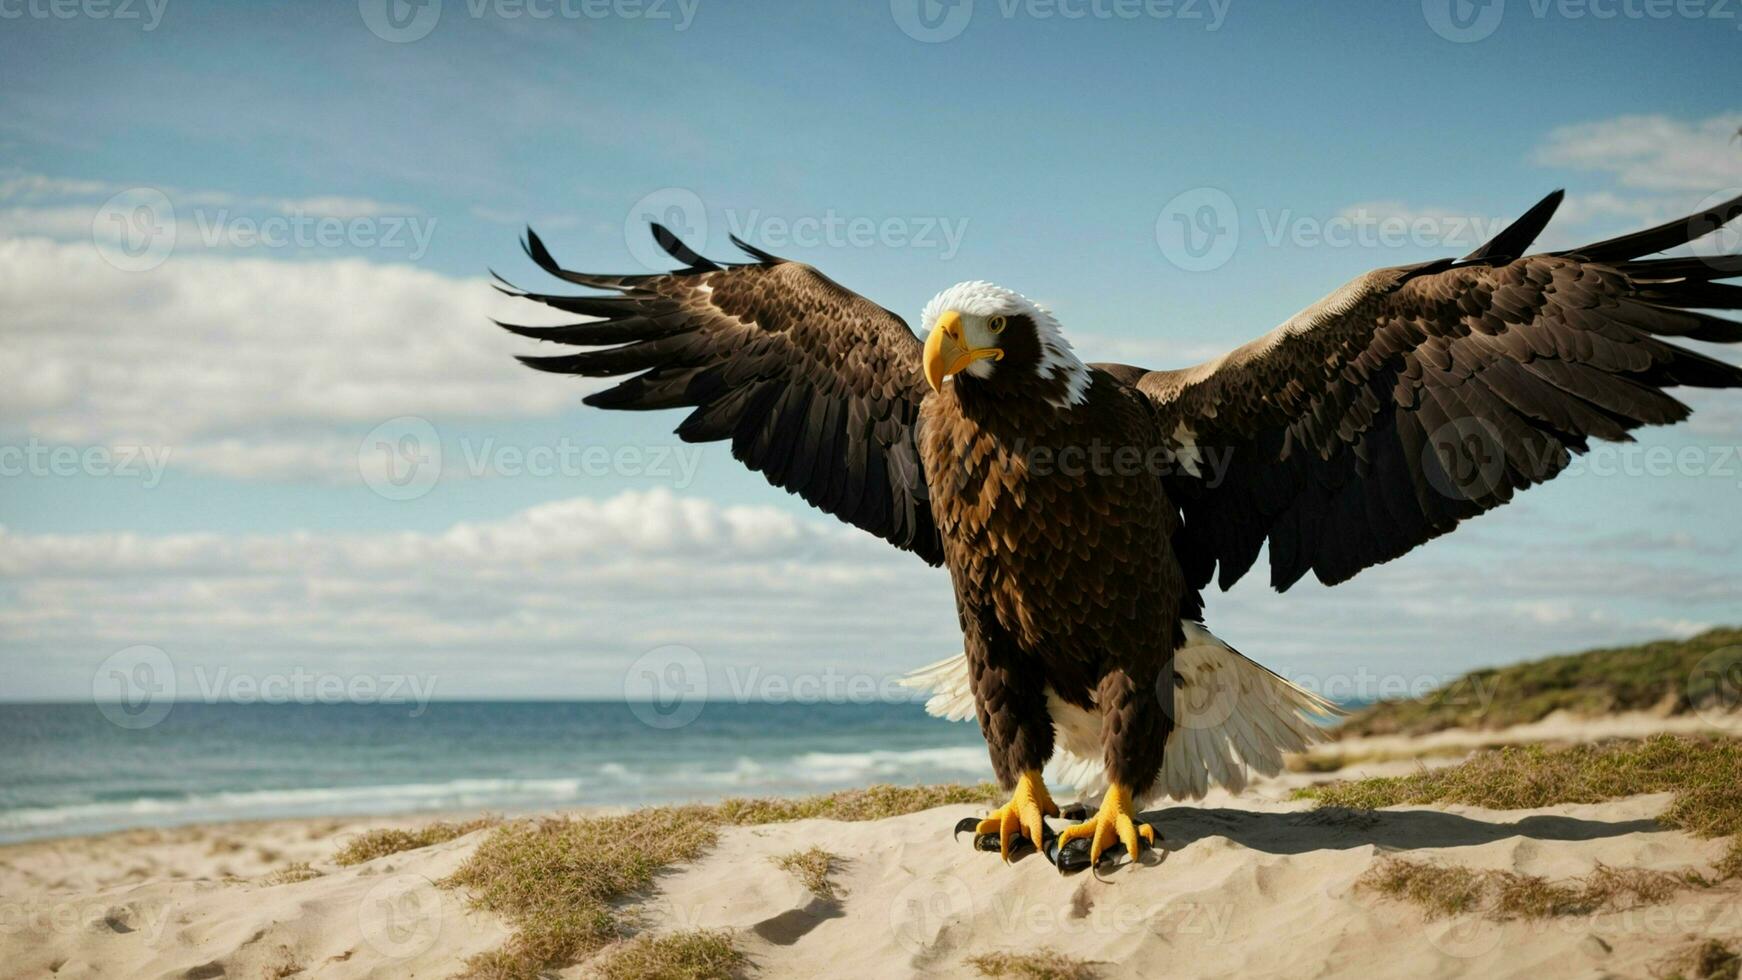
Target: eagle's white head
{"points": [[993, 336]]}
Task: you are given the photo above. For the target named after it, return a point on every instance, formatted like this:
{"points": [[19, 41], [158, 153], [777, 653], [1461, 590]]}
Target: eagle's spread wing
{"points": [[816, 387], [1415, 397]]}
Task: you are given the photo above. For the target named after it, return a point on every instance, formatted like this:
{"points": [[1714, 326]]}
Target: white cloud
{"points": [[573, 590], [248, 366], [1652, 153], [560, 599]]}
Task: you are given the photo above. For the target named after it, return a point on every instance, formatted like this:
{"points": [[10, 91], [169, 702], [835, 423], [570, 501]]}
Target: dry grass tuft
{"points": [[285, 966], [1444, 889], [814, 867], [290, 874], [1700, 771], [380, 843], [871, 803], [698, 954], [557, 880], [560, 882], [1042, 964]]}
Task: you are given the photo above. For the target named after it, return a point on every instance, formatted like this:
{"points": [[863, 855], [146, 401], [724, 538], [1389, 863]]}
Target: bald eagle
{"points": [[1074, 503]]}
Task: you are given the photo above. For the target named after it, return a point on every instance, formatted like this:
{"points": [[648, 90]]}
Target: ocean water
{"points": [[68, 769]]}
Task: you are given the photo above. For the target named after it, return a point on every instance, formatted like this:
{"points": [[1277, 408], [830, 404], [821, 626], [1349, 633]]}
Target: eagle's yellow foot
{"points": [[1024, 815], [1114, 823]]}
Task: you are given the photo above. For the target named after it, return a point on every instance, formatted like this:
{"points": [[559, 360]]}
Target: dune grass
{"points": [[1444, 889], [1702, 773], [1043, 964], [292, 873], [1595, 682], [697, 954], [561, 881], [814, 867], [870, 803], [372, 844]]}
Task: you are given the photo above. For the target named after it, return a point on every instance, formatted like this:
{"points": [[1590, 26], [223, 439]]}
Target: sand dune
{"points": [[1249, 886]]}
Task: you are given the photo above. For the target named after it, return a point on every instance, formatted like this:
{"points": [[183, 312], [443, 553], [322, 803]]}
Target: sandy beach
{"points": [[1255, 885]]}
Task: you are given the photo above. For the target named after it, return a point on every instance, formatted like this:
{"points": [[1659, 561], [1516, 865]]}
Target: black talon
{"points": [[966, 823], [1074, 856]]}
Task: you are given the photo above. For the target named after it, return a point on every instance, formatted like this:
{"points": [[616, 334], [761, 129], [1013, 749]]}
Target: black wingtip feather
{"points": [[1517, 237], [540, 255], [1665, 236], [674, 247], [766, 258]]}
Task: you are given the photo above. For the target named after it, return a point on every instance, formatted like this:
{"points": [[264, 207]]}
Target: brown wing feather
{"points": [[1414, 398], [816, 387]]}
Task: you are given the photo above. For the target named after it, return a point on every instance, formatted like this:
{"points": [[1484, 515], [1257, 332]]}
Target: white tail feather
{"points": [[1232, 718]]}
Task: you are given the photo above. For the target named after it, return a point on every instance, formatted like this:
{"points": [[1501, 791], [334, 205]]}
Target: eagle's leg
{"points": [[1010, 700], [1134, 729]]}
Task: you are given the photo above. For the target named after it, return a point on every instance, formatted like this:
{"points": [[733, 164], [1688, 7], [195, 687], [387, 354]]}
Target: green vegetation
{"points": [[699, 954], [1045, 964], [561, 882], [1454, 890], [380, 843], [1595, 682], [814, 867]]}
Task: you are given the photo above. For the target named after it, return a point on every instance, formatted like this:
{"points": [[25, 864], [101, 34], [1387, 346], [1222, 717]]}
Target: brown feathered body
{"points": [[1057, 535]]}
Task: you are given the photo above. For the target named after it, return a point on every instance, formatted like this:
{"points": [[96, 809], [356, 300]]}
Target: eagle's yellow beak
{"points": [[947, 352]]}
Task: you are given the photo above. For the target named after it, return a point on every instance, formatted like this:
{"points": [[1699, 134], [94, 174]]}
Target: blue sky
{"points": [[1047, 152]]}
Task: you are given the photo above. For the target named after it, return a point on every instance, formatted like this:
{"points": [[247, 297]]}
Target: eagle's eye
{"points": [[996, 324]]}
